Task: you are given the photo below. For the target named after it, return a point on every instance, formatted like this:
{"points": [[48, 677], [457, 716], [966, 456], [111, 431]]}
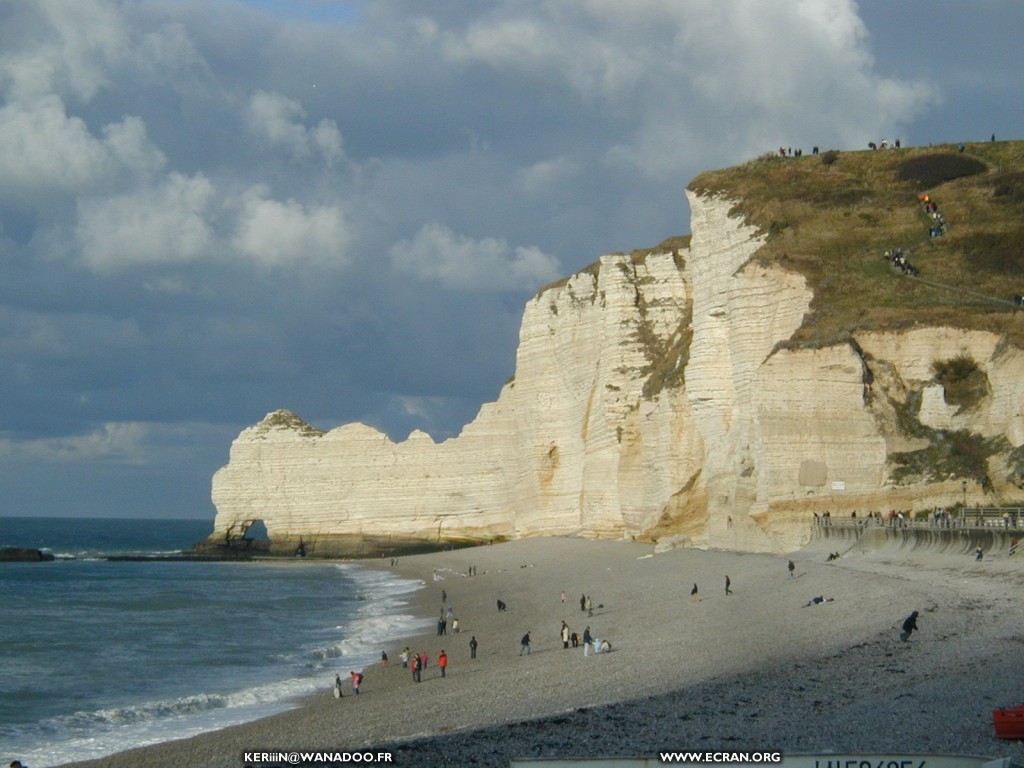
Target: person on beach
{"points": [[442, 662], [455, 626], [524, 644], [819, 600], [792, 568], [416, 678], [357, 680], [695, 593], [909, 625], [590, 607], [728, 585], [587, 640], [472, 647], [444, 596], [337, 687], [563, 597], [423, 660], [405, 658], [978, 554], [384, 659], [583, 602], [565, 634]]}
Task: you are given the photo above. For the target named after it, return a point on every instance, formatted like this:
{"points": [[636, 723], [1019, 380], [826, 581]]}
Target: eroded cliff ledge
{"points": [[683, 395]]}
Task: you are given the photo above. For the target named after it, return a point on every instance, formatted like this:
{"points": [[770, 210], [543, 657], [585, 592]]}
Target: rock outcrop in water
{"points": [[656, 397]]}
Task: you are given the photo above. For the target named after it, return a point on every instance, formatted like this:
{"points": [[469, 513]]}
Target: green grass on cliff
{"points": [[831, 217]]}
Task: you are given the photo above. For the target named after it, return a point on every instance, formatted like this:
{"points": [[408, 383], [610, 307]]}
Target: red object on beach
{"points": [[1009, 723]]}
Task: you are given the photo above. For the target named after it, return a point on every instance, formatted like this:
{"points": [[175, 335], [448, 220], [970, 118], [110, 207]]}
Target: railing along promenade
{"points": [[977, 519]]}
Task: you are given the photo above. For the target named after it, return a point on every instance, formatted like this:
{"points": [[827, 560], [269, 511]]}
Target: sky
{"points": [[212, 209]]}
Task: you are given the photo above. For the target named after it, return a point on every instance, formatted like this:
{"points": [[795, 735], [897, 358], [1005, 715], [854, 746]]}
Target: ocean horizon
{"points": [[98, 656]]}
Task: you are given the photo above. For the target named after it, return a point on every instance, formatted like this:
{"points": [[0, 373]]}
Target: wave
{"points": [[377, 620]]}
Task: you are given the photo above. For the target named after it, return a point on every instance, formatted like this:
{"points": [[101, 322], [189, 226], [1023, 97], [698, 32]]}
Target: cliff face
{"points": [[655, 398]]}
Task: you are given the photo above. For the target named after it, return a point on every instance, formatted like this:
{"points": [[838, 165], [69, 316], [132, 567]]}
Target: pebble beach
{"points": [[755, 670]]}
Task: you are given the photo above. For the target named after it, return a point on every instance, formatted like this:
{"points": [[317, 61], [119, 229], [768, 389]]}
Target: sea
{"points": [[100, 655]]}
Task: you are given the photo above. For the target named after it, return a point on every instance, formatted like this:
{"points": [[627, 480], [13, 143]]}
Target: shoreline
{"points": [[758, 669]]}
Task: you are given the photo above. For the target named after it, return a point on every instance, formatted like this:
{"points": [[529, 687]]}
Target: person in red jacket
{"points": [[442, 662]]}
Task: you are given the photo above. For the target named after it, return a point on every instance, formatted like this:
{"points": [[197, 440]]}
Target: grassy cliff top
{"points": [[832, 216]]}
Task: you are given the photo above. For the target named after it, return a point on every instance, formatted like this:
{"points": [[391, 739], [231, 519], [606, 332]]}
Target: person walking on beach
{"points": [[472, 647], [909, 625], [695, 593], [565, 634], [563, 597], [444, 596], [357, 680], [590, 607], [442, 662], [416, 668], [384, 659], [792, 568], [337, 687], [423, 660], [524, 644], [728, 585], [587, 640], [583, 602]]}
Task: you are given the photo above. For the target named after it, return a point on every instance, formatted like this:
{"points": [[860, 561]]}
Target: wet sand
{"points": [[755, 670]]}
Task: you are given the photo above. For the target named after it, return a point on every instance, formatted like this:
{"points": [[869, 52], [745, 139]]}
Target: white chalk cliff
{"points": [[654, 398]]}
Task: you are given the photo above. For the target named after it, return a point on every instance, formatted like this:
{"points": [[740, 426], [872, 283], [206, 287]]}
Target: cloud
{"points": [[271, 233], [63, 48], [461, 263], [121, 442], [274, 118], [163, 224], [46, 150]]}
